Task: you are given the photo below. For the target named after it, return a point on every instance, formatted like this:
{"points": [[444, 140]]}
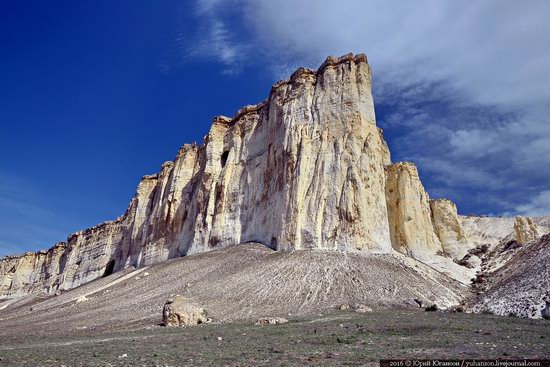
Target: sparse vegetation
{"points": [[431, 308], [338, 338]]}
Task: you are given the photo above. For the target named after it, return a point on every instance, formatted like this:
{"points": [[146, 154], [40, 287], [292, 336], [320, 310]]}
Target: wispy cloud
{"points": [[214, 38], [539, 205], [463, 86]]}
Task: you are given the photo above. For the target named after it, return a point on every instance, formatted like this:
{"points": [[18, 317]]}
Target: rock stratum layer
{"points": [[306, 169]]}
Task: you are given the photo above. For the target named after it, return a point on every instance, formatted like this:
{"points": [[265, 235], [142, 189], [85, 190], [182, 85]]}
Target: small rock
{"points": [[145, 274], [181, 311], [220, 338], [270, 321], [344, 307], [362, 308], [456, 309], [123, 356], [410, 303], [81, 299]]}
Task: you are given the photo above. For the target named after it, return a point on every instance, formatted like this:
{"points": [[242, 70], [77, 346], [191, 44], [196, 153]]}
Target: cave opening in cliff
{"points": [[224, 158], [109, 269]]}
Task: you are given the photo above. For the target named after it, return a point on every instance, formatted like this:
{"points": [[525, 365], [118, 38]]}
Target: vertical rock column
{"points": [[449, 228], [335, 174], [304, 169], [525, 230], [411, 228]]}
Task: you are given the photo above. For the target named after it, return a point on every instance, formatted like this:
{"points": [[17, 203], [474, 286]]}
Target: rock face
{"points": [[448, 228], [181, 311], [525, 230], [303, 169], [306, 169], [411, 228]]}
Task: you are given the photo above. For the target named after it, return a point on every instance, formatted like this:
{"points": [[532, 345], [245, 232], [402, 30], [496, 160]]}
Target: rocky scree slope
{"points": [[241, 282], [515, 279]]}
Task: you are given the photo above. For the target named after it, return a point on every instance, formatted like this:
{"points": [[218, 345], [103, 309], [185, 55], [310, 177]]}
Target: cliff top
{"points": [[329, 62]]}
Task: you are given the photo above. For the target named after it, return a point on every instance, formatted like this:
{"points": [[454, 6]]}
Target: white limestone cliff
{"points": [[448, 228], [302, 170], [525, 230], [305, 169], [411, 227]]}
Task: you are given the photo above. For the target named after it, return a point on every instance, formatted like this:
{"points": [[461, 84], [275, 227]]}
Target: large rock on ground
{"points": [[182, 311]]}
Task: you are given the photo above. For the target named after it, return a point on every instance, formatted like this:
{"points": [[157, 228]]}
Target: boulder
{"points": [[362, 308], [412, 303], [81, 299], [270, 321], [181, 311]]}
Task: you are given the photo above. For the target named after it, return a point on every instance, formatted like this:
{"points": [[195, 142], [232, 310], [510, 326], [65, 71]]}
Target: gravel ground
{"points": [[336, 338], [114, 321]]}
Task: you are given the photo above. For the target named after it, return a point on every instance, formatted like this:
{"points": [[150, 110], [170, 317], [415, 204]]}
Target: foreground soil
{"points": [[335, 338]]}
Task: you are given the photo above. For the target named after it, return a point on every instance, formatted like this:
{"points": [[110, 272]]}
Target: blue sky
{"points": [[94, 95]]}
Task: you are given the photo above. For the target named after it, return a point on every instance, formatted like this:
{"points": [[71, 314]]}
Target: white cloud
{"points": [[465, 84], [537, 206], [213, 40], [496, 49], [475, 142]]}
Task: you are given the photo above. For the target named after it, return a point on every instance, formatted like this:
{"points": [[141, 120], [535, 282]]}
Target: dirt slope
{"points": [[516, 279], [241, 282]]}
